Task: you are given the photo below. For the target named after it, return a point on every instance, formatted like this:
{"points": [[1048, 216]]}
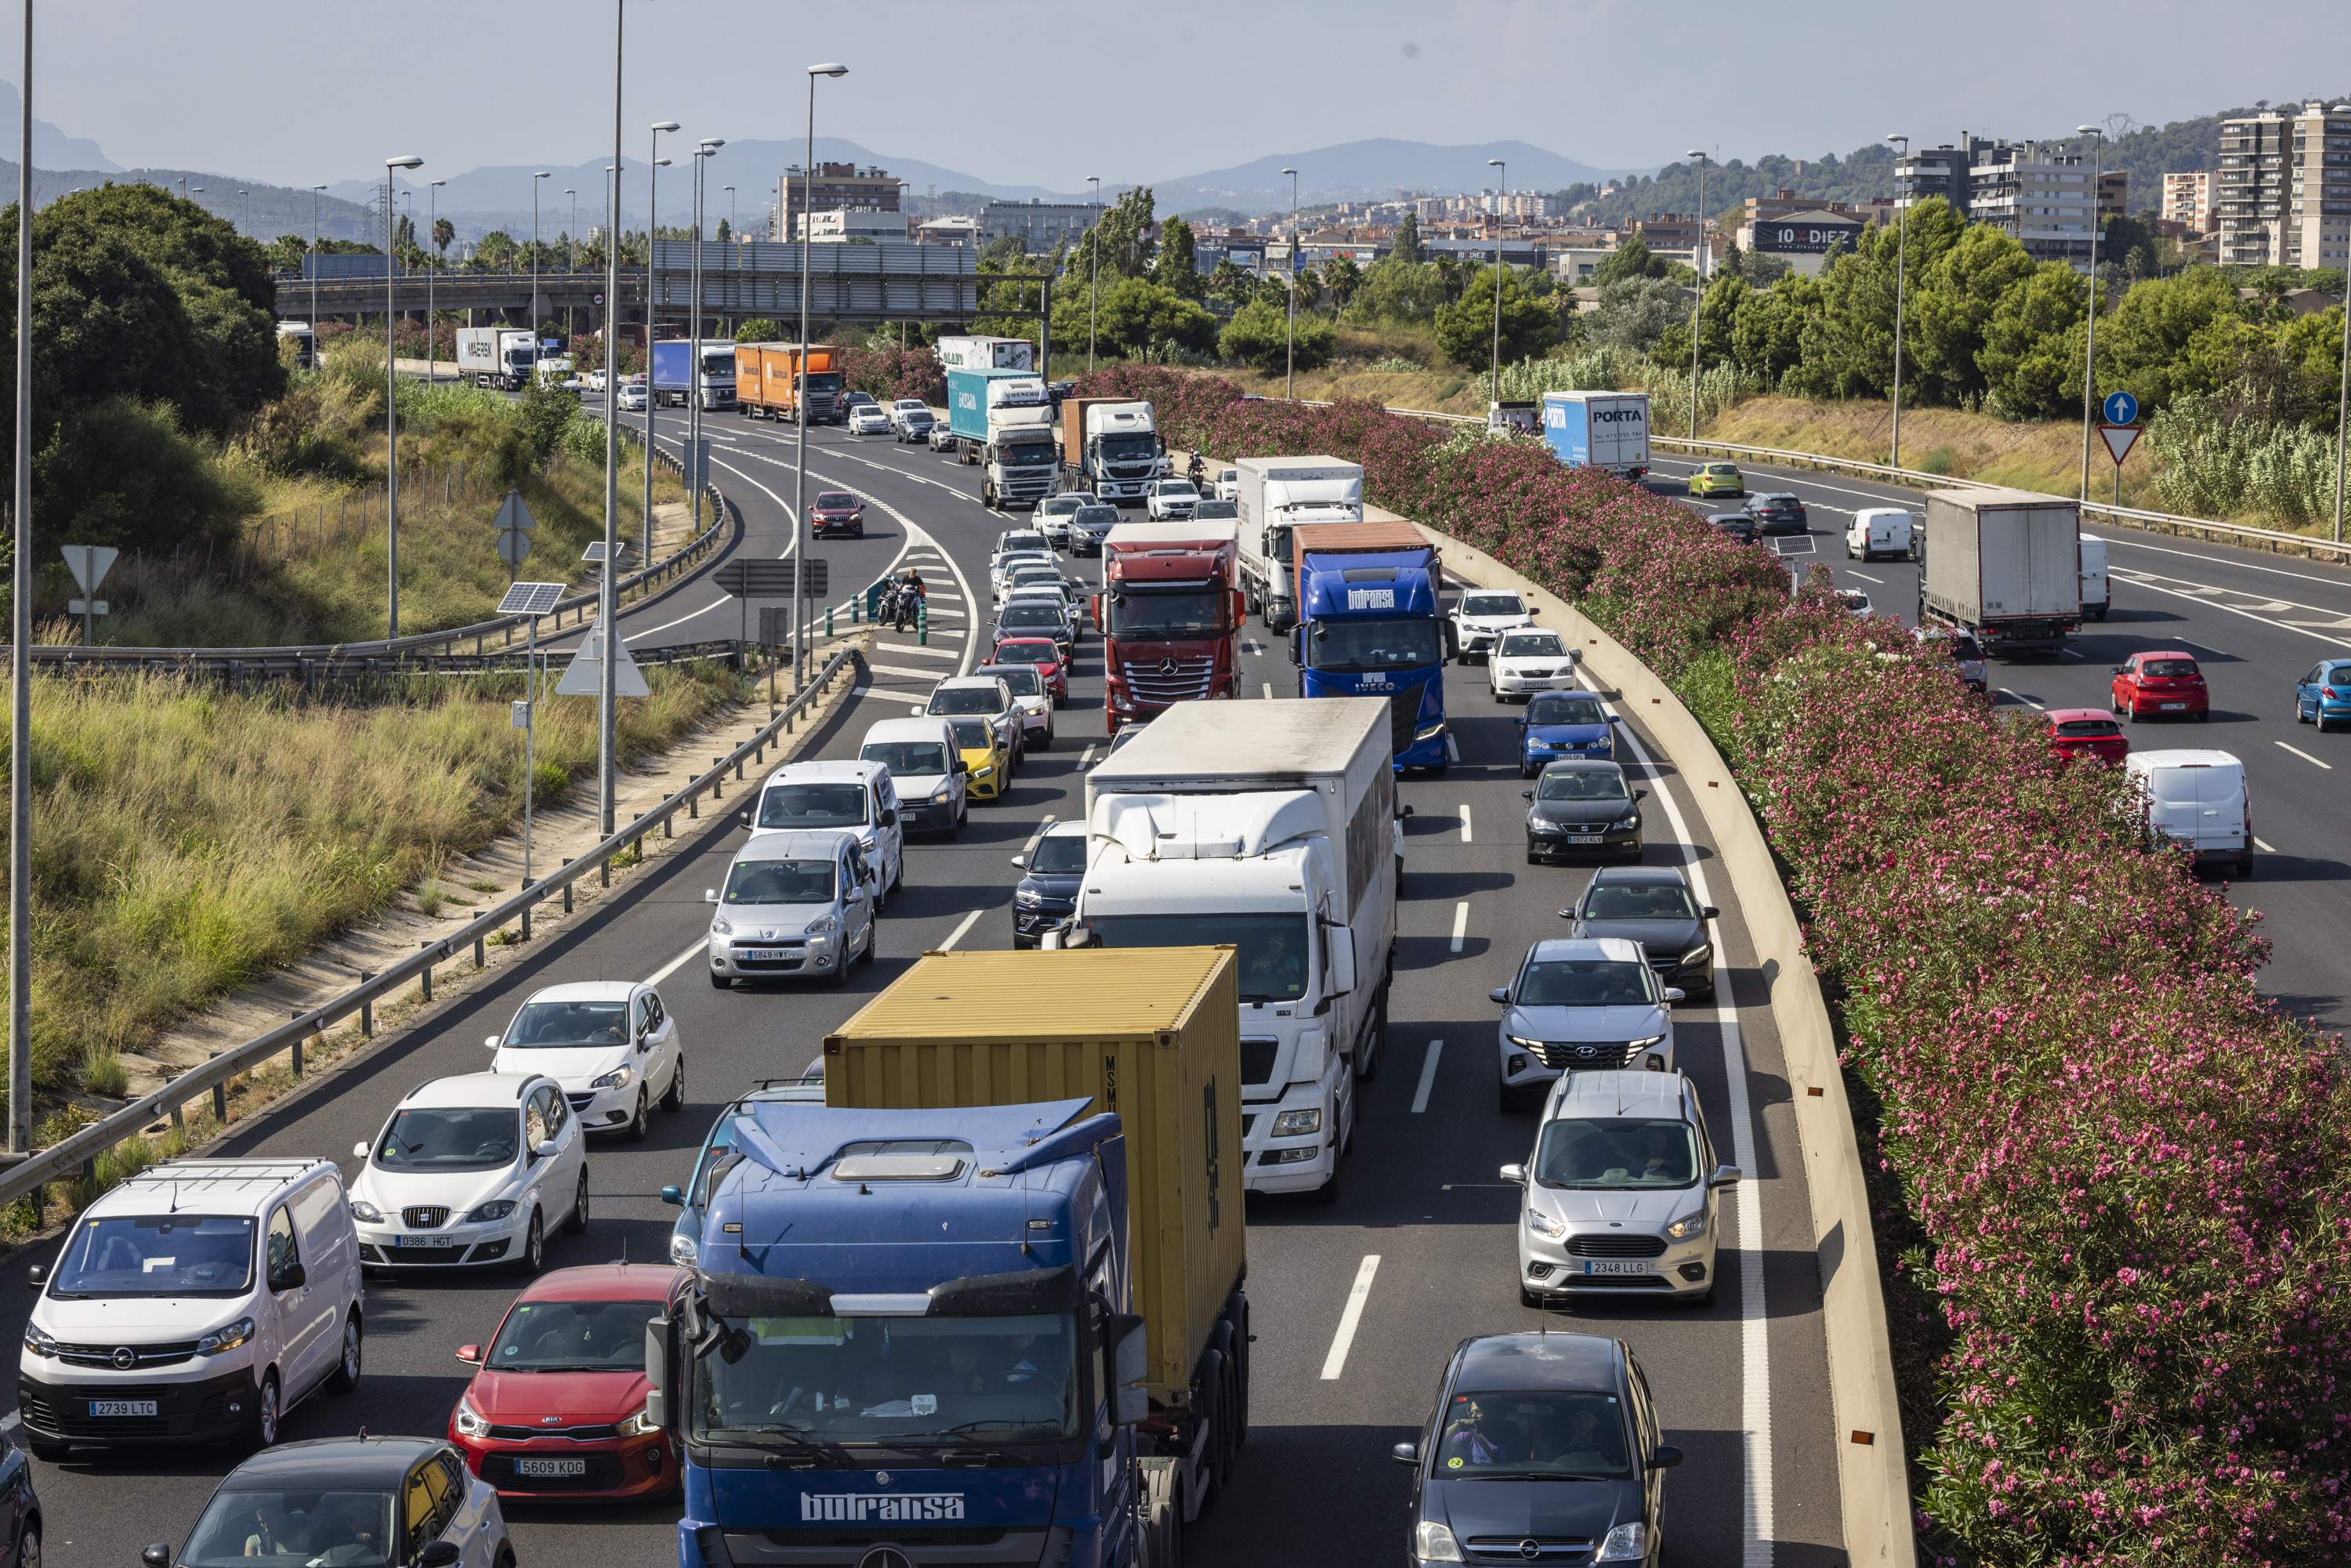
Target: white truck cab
{"points": [[199, 1300]]}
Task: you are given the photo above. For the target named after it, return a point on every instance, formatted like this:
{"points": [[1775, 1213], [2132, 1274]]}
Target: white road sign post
{"points": [[90, 565]]}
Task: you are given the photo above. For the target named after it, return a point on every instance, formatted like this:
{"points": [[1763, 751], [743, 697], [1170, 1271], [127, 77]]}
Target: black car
{"points": [[348, 1499], [1048, 893], [1739, 527], [1780, 513], [1651, 905], [1544, 1448], [1582, 805], [20, 1510]]}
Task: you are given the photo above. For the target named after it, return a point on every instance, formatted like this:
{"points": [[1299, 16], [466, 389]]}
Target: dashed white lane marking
{"points": [[2305, 756], [916, 651], [1865, 577], [2019, 696], [1336, 1362], [1465, 822], [1428, 1077], [1269, 691], [1461, 925], [915, 670], [1038, 837], [679, 962], [2265, 847], [963, 929], [1452, 752], [1086, 757]]}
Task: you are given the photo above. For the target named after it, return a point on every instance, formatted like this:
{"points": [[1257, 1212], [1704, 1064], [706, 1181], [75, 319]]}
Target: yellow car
{"points": [[1718, 479], [986, 754]]}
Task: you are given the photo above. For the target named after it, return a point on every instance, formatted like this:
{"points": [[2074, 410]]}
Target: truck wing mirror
{"points": [[1095, 601], [1297, 639], [657, 1358], [1452, 639], [1341, 961]]}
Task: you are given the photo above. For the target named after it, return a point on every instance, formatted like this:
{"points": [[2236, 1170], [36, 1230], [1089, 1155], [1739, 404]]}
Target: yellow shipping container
{"points": [[1152, 1034]]}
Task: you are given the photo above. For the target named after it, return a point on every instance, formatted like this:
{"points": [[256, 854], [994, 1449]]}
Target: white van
{"points": [[859, 795], [2198, 800], [934, 781], [1879, 531], [199, 1300], [2096, 594]]}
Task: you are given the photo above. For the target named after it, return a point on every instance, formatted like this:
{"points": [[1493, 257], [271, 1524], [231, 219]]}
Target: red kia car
{"points": [[1045, 654], [2165, 683], [2086, 732], [558, 1406], [837, 512]]}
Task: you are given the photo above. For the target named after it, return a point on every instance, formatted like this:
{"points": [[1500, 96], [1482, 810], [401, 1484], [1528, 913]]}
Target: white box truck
{"points": [[1273, 825], [1276, 494], [2097, 591], [2005, 565], [497, 357], [987, 354], [1599, 429]]}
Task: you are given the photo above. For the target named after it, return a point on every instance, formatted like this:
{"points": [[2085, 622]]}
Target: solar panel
{"points": [[530, 599], [595, 552]]}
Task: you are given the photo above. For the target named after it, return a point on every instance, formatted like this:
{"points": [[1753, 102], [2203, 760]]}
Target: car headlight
{"points": [[1429, 731], [471, 1425], [492, 1212], [824, 925], [228, 1336], [941, 794], [365, 1212], [1544, 1225], [1434, 1543], [721, 926], [38, 1341], [637, 1426], [1700, 954], [619, 1078], [1641, 1045], [1297, 1123], [984, 770], [1626, 823], [1542, 824], [684, 1249], [1027, 897], [1523, 1043], [1625, 1543], [1689, 1227]]}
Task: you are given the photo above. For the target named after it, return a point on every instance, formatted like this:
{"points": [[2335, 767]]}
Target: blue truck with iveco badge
{"points": [[1010, 1331], [1369, 624], [1606, 430]]}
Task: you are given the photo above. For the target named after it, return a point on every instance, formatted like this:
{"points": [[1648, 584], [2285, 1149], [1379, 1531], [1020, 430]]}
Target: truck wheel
{"points": [[1216, 1461], [1367, 1062], [1236, 1313]]}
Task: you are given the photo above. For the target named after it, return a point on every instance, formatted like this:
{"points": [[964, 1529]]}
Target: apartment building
{"points": [[2283, 193], [835, 187], [2041, 195], [2188, 200], [1039, 225], [844, 224]]}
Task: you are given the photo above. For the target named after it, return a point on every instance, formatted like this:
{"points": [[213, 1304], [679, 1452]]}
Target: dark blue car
{"points": [[1048, 893], [1544, 1448], [686, 1236], [1564, 724], [2323, 695]]}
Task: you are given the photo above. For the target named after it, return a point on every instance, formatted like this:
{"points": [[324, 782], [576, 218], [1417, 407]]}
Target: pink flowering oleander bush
{"points": [[2125, 1172]]}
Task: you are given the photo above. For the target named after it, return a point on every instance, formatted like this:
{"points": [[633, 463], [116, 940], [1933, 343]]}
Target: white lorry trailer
{"points": [[1276, 494], [2004, 565], [1273, 825], [498, 357]]}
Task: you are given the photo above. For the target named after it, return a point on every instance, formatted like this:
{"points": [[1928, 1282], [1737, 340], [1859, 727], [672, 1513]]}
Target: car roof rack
{"points": [[189, 1172]]}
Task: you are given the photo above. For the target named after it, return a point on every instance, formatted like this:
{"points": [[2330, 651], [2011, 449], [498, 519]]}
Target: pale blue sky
{"points": [[1049, 91]]}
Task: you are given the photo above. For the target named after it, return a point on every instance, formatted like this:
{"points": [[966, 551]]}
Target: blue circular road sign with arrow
{"points": [[2121, 408]]}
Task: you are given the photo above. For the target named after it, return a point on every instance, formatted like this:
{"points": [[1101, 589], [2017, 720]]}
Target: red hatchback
{"points": [[2086, 732], [837, 512], [2166, 682], [556, 1408], [1045, 654]]}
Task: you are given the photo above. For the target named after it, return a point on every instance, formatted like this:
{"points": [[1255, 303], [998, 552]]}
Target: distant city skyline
{"points": [[276, 93]]}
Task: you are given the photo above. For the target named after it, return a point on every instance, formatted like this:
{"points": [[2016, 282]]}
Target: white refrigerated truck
{"points": [[1276, 494], [2004, 565], [1270, 825]]}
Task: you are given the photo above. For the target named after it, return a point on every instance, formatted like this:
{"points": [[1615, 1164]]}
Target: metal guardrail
{"points": [[79, 1154]]}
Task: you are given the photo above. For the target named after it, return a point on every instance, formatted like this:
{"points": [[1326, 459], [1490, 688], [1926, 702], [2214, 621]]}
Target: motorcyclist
{"points": [[908, 598], [1195, 469]]}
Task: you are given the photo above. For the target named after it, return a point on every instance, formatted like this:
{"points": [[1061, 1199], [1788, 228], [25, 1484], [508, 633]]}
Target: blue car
{"points": [[2323, 695], [1564, 724], [686, 1236]]}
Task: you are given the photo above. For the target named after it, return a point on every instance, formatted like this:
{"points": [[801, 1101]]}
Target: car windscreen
{"points": [[1565, 707], [2168, 668], [1059, 505], [828, 805], [1582, 983], [835, 500], [450, 1138], [1025, 538], [972, 734], [1212, 511], [911, 405], [1639, 901], [1403, 643], [1023, 678], [779, 882], [179, 1254], [1176, 612], [1096, 514], [906, 758], [1964, 649], [1531, 645], [570, 1024], [1060, 854], [1539, 1434], [1030, 615], [1613, 1155], [1028, 651], [820, 382], [291, 1527], [1581, 784], [966, 699], [1128, 448], [1177, 490], [1272, 945], [572, 1336], [1491, 604]]}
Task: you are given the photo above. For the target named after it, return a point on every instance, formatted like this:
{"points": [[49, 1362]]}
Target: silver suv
{"points": [[1620, 1191]]}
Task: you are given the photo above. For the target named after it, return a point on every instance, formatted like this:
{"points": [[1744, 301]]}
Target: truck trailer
{"points": [[1599, 429], [1371, 623], [988, 1296], [1271, 824], [498, 357], [1278, 494], [1003, 420], [2005, 565], [704, 369], [766, 382], [987, 354], [1170, 614]]}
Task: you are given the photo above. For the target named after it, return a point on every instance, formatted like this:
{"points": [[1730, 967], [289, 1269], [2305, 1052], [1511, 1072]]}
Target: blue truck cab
{"points": [[909, 1332], [1371, 624]]}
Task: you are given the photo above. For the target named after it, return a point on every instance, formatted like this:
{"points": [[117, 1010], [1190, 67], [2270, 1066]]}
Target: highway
{"points": [[1355, 1306], [2255, 623]]}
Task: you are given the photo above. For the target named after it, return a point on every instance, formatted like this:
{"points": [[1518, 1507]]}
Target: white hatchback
{"points": [[471, 1170], [869, 419], [611, 1044]]}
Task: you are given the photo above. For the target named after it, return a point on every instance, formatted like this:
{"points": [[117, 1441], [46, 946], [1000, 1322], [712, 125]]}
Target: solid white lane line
{"points": [[2019, 696], [963, 929], [679, 962], [1465, 822], [1269, 690], [2305, 756], [1865, 577], [1336, 1362], [1428, 1077], [1461, 923]]}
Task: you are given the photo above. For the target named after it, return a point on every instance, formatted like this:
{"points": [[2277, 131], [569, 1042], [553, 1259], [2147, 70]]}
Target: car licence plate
{"points": [[2172, 707], [765, 955], [550, 1470], [1613, 1266], [122, 1407], [1583, 837]]}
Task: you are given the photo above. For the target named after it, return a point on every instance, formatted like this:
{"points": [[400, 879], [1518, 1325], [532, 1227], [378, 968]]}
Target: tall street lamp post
{"points": [[702, 155], [1901, 276], [1290, 343], [432, 269], [2090, 340], [799, 456], [391, 399], [317, 192], [607, 596], [2341, 408], [1698, 255], [1497, 356], [1094, 274], [20, 664], [571, 264], [652, 288], [535, 179]]}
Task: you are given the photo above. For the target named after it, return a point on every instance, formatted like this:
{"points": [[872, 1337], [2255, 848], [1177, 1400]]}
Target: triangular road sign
{"points": [[583, 677], [2119, 440], [514, 515], [90, 563]]}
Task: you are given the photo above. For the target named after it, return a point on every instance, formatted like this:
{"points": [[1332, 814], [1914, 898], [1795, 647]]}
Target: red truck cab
{"points": [[1170, 615]]}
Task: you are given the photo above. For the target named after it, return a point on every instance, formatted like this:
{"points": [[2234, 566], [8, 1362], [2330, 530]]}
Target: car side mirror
{"points": [[1664, 1457], [547, 1149], [1403, 812], [439, 1555], [157, 1555], [1406, 1453], [1724, 1175], [1708, 912], [1293, 645], [1526, 794], [744, 819], [889, 818], [1640, 794], [1515, 1175], [672, 1196], [1500, 996], [37, 1275], [2116, 671], [962, 767], [471, 1354], [358, 1151], [1532, 614], [1615, 718], [292, 1277], [490, 1042], [1568, 913], [1675, 994], [1020, 861], [1093, 603], [709, 895]]}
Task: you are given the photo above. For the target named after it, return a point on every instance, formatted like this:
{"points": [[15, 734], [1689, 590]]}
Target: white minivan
{"points": [[2199, 800], [932, 778], [1878, 531], [858, 796], [199, 1300], [2097, 594]]}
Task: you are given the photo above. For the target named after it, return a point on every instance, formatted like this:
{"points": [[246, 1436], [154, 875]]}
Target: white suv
{"points": [[1481, 616], [471, 1170], [200, 1300], [1170, 501], [612, 1044]]}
